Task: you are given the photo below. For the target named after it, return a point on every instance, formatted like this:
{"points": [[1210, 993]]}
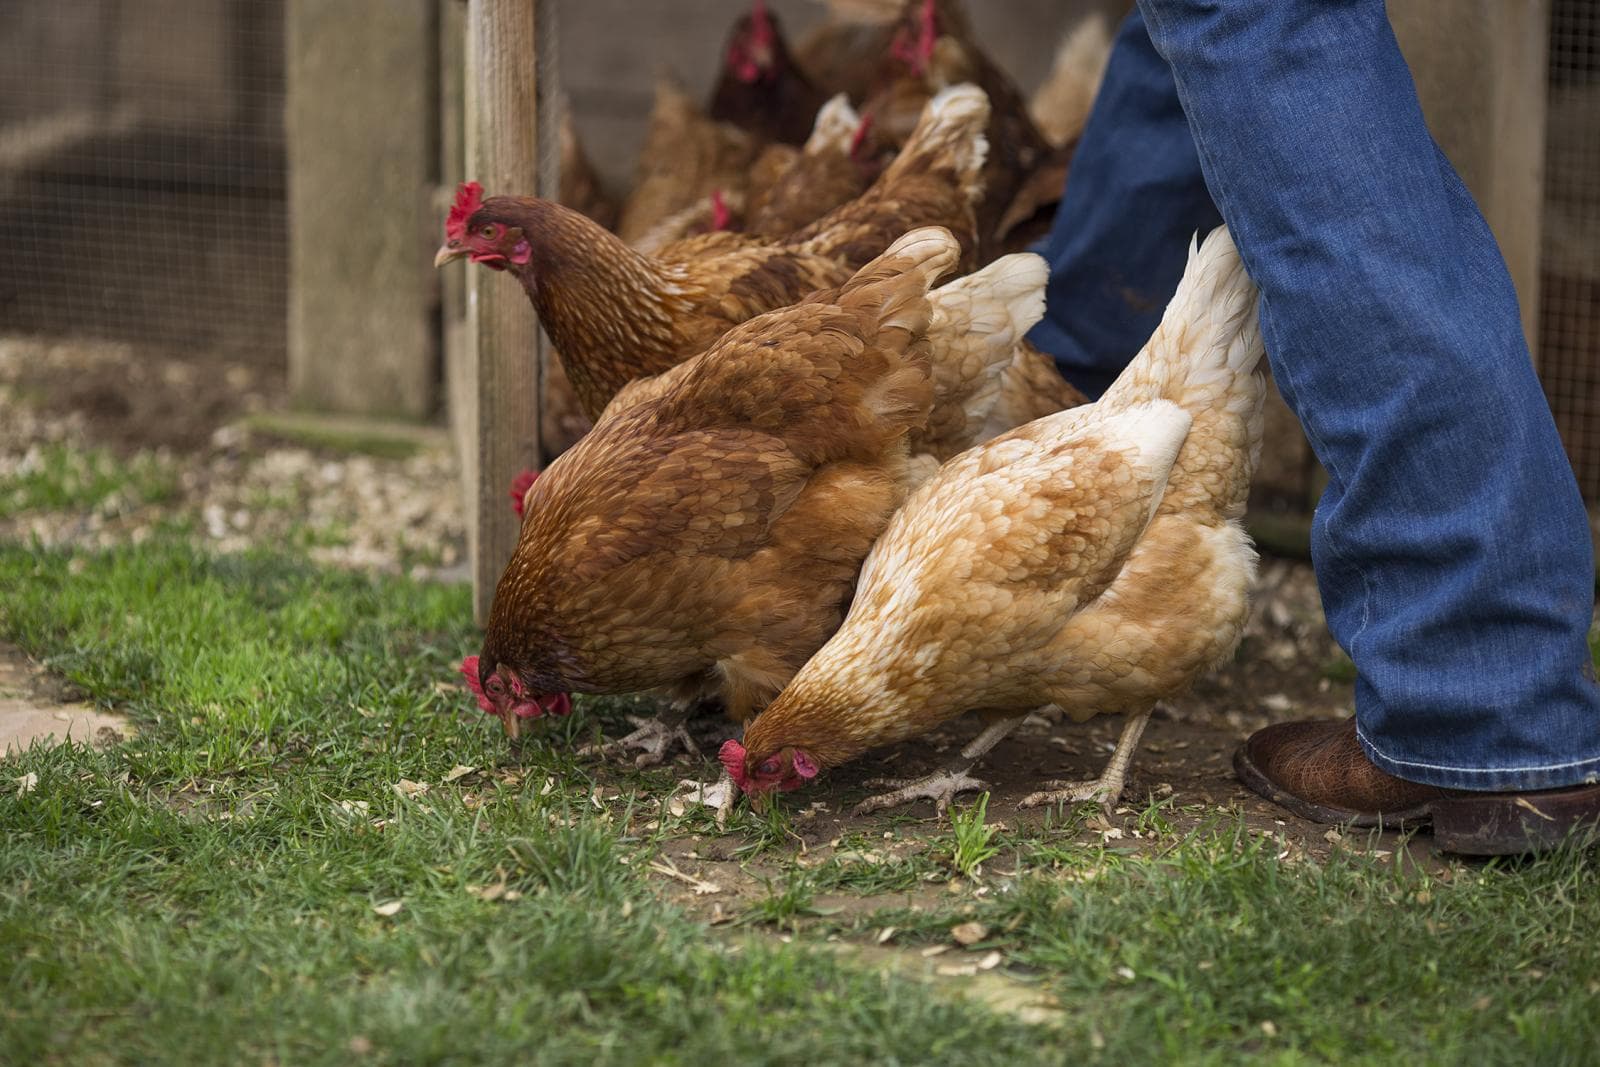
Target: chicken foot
{"points": [[1106, 789], [719, 796], [652, 738], [942, 785]]}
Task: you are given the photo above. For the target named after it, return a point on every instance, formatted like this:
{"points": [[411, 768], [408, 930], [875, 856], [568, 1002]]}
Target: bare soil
{"points": [[129, 398], [37, 707]]}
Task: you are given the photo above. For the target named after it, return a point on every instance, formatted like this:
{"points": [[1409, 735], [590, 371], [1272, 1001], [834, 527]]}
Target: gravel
{"points": [[237, 490]]}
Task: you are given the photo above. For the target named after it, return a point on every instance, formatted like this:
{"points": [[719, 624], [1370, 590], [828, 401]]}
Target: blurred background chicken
{"points": [[931, 46], [761, 89], [768, 157], [1093, 560], [805, 185], [686, 155]]}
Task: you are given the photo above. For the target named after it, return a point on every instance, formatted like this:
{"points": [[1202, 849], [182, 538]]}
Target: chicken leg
{"points": [[942, 785], [1107, 789], [652, 739]]}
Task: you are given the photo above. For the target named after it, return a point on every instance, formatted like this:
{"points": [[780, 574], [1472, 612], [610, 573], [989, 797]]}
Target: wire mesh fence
{"points": [[142, 173], [143, 189], [1569, 314]]}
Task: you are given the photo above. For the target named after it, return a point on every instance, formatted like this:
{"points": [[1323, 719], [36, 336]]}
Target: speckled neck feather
{"points": [[609, 310]]}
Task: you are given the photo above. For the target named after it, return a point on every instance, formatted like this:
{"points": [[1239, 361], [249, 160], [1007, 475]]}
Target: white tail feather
{"points": [[835, 126], [1209, 340], [952, 122], [977, 323]]}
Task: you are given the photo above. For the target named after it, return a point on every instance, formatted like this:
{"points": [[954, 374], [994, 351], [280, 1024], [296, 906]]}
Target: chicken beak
{"points": [[447, 252], [760, 802], [512, 723]]}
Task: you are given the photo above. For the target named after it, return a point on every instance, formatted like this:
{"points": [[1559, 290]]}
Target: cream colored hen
{"points": [[1092, 559]]}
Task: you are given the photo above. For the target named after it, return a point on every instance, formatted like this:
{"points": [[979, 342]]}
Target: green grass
{"points": [[1340, 669], [351, 436], [215, 890], [972, 840], [72, 479], [207, 893], [1219, 951]]}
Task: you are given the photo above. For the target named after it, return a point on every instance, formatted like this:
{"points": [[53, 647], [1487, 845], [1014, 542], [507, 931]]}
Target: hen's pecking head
{"points": [[501, 693], [471, 230], [787, 769], [752, 52]]}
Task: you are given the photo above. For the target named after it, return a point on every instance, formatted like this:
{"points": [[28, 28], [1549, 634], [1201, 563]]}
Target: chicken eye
{"points": [[769, 767], [488, 231], [496, 685]]}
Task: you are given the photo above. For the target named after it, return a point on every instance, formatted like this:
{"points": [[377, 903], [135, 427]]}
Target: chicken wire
{"points": [[1569, 313], [142, 174]]}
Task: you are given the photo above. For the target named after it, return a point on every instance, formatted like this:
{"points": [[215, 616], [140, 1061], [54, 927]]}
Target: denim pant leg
{"points": [[1134, 198], [1451, 546]]}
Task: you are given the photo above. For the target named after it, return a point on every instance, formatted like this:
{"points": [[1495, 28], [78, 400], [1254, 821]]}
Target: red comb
{"points": [[469, 671], [721, 217], [916, 51], [519, 489], [859, 138], [930, 31], [761, 22], [469, 198], [732, 755]]}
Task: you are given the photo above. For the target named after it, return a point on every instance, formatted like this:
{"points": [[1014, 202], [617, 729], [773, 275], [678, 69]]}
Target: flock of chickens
{"points": [[829, 485]]}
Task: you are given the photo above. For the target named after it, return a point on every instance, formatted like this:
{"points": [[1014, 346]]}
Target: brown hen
{"points": [[761, 89], [615, 315], [807, 184], [1093, 560], [707, 539]]}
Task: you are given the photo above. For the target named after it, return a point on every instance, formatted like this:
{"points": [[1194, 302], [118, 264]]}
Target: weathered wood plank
{"points": [[361, 333], [1480, 72], [460, 342], [502, 153]]}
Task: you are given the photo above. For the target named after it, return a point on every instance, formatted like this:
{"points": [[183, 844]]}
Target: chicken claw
{"points": [[1107, 789], [652, 739], [940, 787], [1097, 790]]}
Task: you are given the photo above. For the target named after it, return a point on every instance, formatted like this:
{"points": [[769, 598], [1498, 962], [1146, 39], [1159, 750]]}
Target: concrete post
{"points": [[361, 96]]}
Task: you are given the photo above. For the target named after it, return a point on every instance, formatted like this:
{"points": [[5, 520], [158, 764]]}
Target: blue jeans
{"points": [[1451, 546]]}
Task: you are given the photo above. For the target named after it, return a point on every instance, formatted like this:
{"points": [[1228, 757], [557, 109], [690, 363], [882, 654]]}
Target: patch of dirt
{"points": [[36, 707], [970, 976], [1184, 764], [131, 399]]}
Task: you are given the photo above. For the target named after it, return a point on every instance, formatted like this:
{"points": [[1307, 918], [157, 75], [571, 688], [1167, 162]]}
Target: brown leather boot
{"points": [[1317, 769]]}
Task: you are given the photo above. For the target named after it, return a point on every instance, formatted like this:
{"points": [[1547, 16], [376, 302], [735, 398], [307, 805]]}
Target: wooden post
{"points": [[1480, 72], [460, 343], [502, 154]]}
